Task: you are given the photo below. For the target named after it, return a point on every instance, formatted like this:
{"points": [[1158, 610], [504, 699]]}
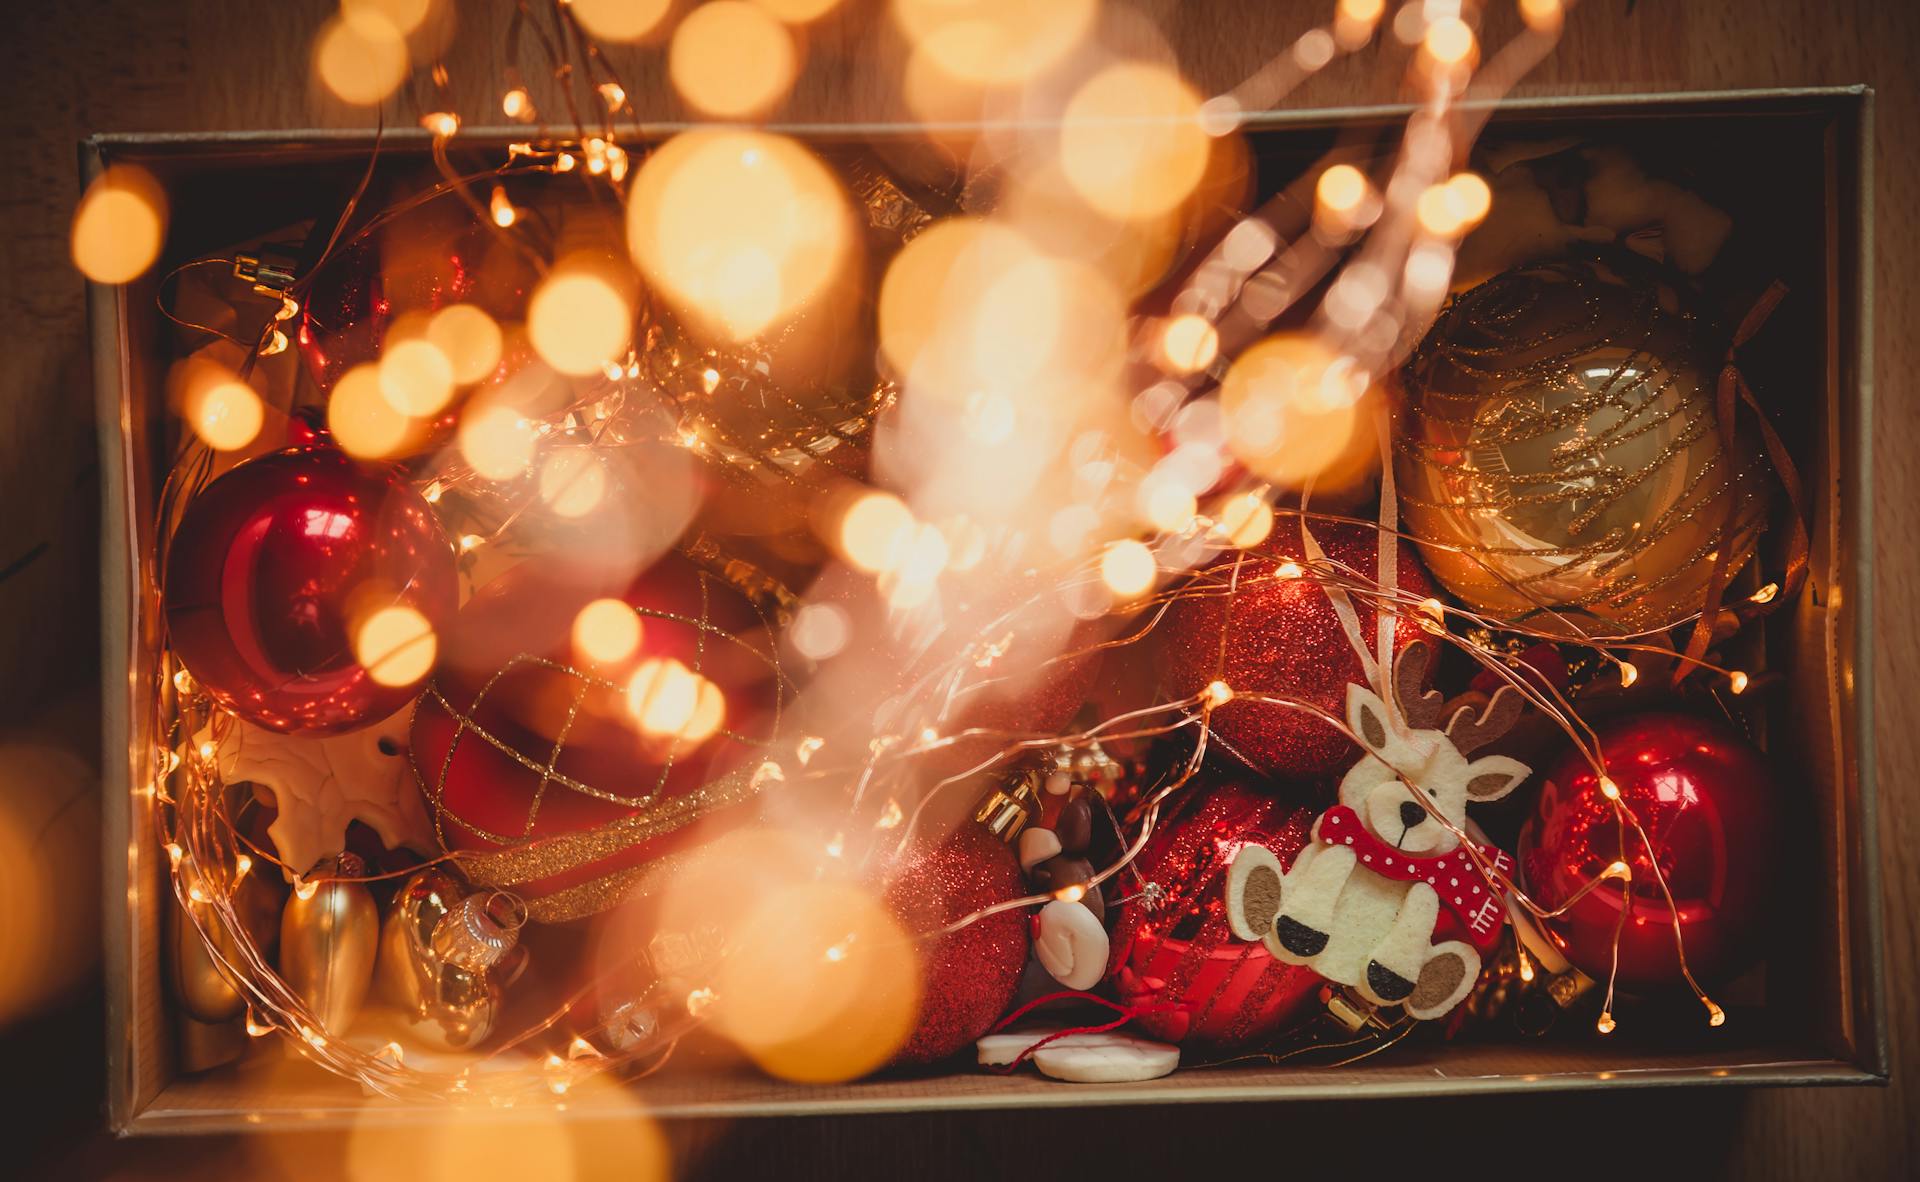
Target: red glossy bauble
{"points": [[274, 568], [1712, 811], [1178, 963], [510, 670], [967, 977], [1281, 637], [419, 261]]}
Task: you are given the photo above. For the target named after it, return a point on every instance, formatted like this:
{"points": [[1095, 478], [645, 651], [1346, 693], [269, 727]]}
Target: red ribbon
{"points": [[1126, 1015]]}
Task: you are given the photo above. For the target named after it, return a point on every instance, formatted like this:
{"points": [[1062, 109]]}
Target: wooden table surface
{"points": [[85, 66]]}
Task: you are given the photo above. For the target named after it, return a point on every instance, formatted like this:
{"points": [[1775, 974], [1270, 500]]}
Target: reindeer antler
{"points": [[1419, 706], [1496, 718]]}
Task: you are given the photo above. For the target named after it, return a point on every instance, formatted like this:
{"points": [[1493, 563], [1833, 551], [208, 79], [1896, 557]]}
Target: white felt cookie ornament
{"points": [[1093, 1056], [1384, 899], [322, 785]]}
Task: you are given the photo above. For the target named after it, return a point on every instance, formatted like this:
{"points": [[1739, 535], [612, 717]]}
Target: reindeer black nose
{"points": [[1412, 814]]}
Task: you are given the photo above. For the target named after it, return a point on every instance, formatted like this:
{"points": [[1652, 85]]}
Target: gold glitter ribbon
{"points": [[549, 856]]}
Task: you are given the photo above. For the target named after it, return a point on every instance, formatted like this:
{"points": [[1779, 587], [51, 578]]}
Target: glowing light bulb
{"points": [[873, 531], [619, 20], [1715, 1015], [119, 225], [1071, 894], [496, 441], [360, 61], [1246, 519], [469, 340], [1219, 693], [1288, 570], [577, 321], [606, 631], [1128, 568], [1737, 682], [731, 59], [1765, 594], [502, 210], [1448, 41], [1621, 871], [396, 645], [1629, 673], [443, 124], [1189, 344], [740, 228], [516, 104], [1341, 190], [1131, 143], [1605, 1024], [1609, 789], [1543, 16], [226, 415]]}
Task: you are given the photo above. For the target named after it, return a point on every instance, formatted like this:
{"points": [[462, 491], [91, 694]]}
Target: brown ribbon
{"points": [[1733, 390]]}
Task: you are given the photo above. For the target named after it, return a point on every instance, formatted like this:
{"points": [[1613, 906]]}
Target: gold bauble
{"points": [[328, 942], [1560, 457], [200, 985], [444, 955]]}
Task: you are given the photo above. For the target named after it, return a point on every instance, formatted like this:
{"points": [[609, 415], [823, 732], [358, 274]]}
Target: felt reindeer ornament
{"points": [[1383, 898]]}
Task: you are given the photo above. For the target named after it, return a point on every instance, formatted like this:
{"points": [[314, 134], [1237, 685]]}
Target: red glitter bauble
{"points": [[1711, 810], [1280, 636], [511, 700], [1178, 962], [422, 260], [274, 568], [968, 977]]}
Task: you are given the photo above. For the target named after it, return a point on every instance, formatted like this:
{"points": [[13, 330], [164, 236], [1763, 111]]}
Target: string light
{"points": [[1288, 570], [1071, 894], [517, 104], [1629, 673], [1605, 1024], [613, 94], [1609, 789], [443, 124], [1219, 693], [1621, 871], [1765, 594], [504, 214], [1737, 682], [1715, 1015], [1542, 16]]}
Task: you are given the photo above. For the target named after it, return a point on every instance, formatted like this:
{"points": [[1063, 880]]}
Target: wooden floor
{"points": [[82, 66]]}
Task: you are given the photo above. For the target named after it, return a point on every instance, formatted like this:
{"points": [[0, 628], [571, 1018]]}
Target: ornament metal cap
{"points": [[1007, 809]]}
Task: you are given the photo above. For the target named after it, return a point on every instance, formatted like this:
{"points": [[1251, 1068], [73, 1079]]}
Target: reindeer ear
{"points": [[1491, 777], [1367, 716]]}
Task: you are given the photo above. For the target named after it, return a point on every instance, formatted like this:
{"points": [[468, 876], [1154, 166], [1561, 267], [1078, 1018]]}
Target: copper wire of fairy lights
{"points": [[1241, 286]]}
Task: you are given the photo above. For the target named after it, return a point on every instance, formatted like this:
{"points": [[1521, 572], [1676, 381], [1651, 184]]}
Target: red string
{"points": [[1126, 1015]]}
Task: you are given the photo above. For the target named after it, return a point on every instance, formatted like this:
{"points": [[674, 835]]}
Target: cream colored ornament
{"points": [[329, 939], [322, 785]]}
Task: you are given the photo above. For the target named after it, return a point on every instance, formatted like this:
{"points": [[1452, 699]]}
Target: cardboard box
{"points": [[1806, 157]]}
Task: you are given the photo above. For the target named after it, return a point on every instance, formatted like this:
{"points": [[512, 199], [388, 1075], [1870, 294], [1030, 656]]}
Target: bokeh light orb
{"points": [[1131, 142], [731, 59], [119, 225], [739, 229]]}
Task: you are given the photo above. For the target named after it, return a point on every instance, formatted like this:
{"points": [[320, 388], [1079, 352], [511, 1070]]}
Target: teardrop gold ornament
{"points": [[329, 941], [446, 954]]}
